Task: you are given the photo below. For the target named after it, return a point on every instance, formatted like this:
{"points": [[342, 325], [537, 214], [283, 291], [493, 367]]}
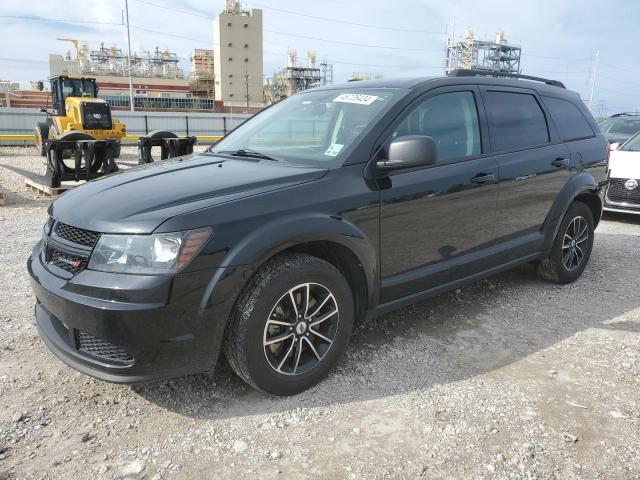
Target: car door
{"points": [[533, 163], [435, 221]]}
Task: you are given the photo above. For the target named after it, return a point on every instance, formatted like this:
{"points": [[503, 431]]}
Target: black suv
{"points": [[329, 207]]}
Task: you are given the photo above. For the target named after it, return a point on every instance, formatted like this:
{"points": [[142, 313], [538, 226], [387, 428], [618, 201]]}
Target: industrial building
{"points": [[294, 78], [238, 63], [202, 78], [357, 76], [472, 54], [158, 81]]}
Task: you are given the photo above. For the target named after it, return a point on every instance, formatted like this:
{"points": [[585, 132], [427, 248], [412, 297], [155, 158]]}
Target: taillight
{"points": [[607, 149]]}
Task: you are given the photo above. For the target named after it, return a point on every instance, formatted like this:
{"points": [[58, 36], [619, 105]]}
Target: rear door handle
{"points": [[560, 162], [483, 178]]}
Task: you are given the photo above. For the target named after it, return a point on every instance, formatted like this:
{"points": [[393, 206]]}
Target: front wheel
{"points": [[571, 248], [290, 325]]}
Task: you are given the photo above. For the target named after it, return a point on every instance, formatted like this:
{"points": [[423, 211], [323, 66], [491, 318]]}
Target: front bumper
{"points": [[138, 327], [633, 209]]}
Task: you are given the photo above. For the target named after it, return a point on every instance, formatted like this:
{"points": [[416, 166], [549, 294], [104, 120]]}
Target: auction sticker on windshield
{"points": [[333, 150], [357, 98]]}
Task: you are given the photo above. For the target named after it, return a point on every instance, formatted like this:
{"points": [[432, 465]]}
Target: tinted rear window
{"points": [[516, 121], [568, 118]]}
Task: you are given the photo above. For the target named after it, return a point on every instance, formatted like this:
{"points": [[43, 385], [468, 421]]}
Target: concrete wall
{"points": [[22, 121]]}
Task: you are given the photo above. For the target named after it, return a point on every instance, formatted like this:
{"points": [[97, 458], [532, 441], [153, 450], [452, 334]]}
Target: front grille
{"points": [[77, 235], [618, 193], [65, 261], [102, 349], [96, 116]]}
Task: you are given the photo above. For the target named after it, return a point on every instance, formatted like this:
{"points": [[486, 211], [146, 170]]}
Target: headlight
{"points": [[147, 254]]}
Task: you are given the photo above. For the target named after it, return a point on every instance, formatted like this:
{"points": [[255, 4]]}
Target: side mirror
{"points": [[614, 146], [410, 151]]}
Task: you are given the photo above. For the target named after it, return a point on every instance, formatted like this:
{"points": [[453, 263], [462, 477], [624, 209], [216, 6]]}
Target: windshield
{"points": [[75, 87], [632, 145], [314, 128], [620, 125]]}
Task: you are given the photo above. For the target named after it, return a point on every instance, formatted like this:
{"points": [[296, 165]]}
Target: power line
{"points": [[61, 20], [177, 10], [306, 37], [570, 59], [345, 22], [281, 55], [616, 67], [613, 91], [338, 42], [634, 83]]}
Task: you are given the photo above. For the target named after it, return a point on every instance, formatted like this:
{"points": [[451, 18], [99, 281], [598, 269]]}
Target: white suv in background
{"points": [[623, 193]]}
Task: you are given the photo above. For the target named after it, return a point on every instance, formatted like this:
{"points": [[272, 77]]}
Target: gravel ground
{"points": [[506, 378]]}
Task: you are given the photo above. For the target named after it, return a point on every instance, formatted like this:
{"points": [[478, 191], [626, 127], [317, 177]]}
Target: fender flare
{"points": [[579, 184], [258, 246]]}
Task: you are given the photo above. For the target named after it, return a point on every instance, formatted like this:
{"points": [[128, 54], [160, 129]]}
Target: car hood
{"points": [[139, 199], [617, 137], [624, 164]]}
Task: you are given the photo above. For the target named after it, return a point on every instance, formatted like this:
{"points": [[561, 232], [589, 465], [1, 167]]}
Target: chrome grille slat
{"points": [[618, 193]]}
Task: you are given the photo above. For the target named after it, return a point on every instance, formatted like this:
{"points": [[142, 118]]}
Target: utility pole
{"points": [[126, 7], [593, 80], [246, 84]]}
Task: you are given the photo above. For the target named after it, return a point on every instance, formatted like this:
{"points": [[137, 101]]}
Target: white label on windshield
{"points": [[333, 150], [356, 98]]}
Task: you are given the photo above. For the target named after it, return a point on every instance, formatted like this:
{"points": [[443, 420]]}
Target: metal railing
{"points": [[17, 124], [159, 103]]}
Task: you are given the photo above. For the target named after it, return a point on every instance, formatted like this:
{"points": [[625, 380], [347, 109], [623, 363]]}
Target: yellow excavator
{"points": [[77, 114]]}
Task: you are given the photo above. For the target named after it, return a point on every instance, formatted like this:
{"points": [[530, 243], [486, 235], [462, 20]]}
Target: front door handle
{"points": [[483, 178], [560, 162]]}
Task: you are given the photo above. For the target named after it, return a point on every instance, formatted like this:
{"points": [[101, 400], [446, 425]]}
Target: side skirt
{"points": [[416, 297]]}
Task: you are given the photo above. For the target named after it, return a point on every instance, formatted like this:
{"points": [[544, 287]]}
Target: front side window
{"points": [[569, 120], [451, 119], [314, 128], [516, 121], [75, 87]]}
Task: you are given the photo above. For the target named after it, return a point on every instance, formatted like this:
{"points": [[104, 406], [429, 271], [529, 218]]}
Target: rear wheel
{"points": [[290, 325], [571, 248]]}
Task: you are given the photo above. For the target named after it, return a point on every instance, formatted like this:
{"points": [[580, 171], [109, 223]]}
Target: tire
{"points": [[117, 149], [164, 152], [74, 136], [558, 266], [161, 134], [264, 312], [42, 134]]}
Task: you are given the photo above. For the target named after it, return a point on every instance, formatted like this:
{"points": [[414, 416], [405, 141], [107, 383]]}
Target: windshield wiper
{"points": [[246, 152]]}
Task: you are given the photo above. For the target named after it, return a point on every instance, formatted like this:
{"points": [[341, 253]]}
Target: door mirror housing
{"points": [[614, 146], [410, 151]]}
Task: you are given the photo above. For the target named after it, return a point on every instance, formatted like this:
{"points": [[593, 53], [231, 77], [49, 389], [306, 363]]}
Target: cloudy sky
{"points": [[559, 38]]}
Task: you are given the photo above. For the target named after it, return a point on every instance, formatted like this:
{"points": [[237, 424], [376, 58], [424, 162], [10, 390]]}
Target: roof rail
{"points": [[497, 73], [625, 114]]}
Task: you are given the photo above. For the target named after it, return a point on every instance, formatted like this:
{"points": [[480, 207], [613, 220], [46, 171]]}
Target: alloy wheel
{"points": [[575, 243], [300, 329]]}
